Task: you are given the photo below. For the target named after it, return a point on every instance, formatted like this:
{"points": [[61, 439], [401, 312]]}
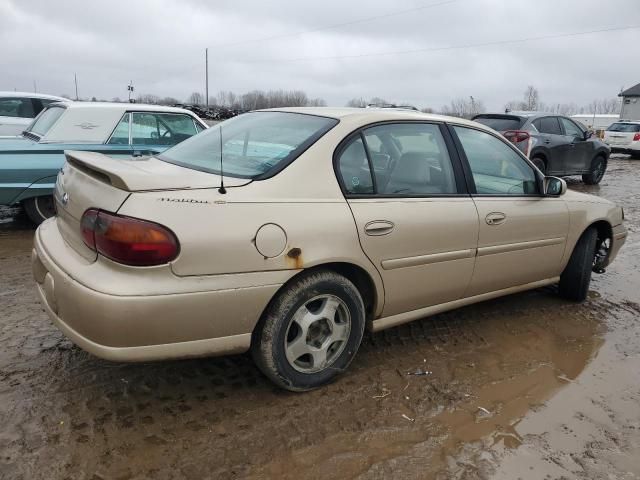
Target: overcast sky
{"points": [[258, 44]]}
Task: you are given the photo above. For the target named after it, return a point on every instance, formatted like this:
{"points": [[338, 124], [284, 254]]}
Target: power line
{"points": [[439, 49], [337, 25]]}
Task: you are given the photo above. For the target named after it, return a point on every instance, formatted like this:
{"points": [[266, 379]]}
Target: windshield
{"points": [[45, 120], [253, 144], [624, 127], [500, 123]]}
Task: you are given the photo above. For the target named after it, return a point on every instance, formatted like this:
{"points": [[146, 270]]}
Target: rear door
{"points": [[415, 220], [522, 234], [552, 139], [578, 151]]}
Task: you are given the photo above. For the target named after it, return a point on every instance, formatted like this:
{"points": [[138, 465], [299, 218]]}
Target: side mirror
{"points": [[554, 186], [588, 134]]}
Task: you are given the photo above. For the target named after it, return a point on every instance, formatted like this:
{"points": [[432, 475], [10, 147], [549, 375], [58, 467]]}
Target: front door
{"points": [[522, 233], [415, 221], [578, 151]]}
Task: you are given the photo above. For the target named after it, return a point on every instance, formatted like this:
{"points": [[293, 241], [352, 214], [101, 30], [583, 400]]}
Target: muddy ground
{"points": [[528, 386]]}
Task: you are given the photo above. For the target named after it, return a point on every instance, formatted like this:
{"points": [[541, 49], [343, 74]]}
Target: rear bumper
{"points": [[143, 327], [629, 150]]}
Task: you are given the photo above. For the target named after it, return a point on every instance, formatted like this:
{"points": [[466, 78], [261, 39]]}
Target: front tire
{"points": [[38, 209], [575, 280], [310, 332], [598, 167]]}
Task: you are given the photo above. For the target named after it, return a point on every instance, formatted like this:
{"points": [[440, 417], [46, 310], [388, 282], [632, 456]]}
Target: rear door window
{"points": [[549, 125], [410, 159]]}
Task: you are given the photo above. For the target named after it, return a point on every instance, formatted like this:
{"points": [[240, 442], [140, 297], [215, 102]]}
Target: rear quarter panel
{"points": [[217, 232]]}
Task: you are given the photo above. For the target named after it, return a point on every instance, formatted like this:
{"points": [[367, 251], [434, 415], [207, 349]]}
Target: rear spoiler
{"points": [[146, 173], [106, 169]]}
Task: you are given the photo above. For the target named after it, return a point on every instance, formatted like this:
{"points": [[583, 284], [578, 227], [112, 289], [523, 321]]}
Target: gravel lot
{"points": [[528, 386]]}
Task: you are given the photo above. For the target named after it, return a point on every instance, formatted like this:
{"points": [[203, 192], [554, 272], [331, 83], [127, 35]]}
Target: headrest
{"points": [[412, 168]]}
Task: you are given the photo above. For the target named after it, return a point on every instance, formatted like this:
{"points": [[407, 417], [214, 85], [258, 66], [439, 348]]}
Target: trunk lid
{"points": [[92, 180]]}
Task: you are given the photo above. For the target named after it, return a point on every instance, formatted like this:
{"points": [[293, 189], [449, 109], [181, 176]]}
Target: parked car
{"points": [[29, 163], [557, 145], [18, 109], [624, 137], [289, 232]]}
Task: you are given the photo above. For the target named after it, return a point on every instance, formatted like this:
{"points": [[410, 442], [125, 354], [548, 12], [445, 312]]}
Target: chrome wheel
{"points": [[317, 333], [602, 253]]}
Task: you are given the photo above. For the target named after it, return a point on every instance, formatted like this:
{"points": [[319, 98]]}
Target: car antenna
{"points": [[221, 189]]}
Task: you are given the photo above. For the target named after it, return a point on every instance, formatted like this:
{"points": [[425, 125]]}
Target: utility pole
{"points": [[130, 89], [206, 76], [75, 79], [35, 87], [473, 105]]}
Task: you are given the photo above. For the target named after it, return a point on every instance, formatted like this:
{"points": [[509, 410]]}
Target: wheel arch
{"points": [[357, 275]]}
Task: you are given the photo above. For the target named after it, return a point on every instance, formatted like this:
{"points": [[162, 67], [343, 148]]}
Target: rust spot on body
{"points": [[296, 255]]}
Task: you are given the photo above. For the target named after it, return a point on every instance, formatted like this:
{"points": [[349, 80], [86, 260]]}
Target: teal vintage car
{"points": [[29, 163]]}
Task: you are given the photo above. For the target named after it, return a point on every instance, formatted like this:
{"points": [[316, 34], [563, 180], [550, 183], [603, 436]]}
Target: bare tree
{"points": [[148, 98], [169, 101], [462, 107], [196, 98], [357, 102], [531, 98], [316, 102], [427, 110]]}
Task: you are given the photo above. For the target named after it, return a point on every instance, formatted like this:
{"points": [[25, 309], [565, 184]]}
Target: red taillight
{"points": [[636, 137], [87, 226], [516, 136], [128, 240]]}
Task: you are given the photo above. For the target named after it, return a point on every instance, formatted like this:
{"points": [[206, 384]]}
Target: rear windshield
{"points": [[253, 144], [500, 122], [624, 127], [45, 120]]}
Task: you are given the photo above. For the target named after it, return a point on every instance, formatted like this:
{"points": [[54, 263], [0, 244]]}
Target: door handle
{"points": [[495, 218], [379, 227]]}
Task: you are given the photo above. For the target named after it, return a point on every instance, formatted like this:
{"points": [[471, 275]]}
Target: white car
{"points": [[624, 137], [18, 109]]}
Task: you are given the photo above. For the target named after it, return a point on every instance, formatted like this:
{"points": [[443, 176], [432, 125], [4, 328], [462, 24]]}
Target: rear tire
{"points": [[310, 332], [540, 163], [575, 280], [38, 209], [598, 167]]}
